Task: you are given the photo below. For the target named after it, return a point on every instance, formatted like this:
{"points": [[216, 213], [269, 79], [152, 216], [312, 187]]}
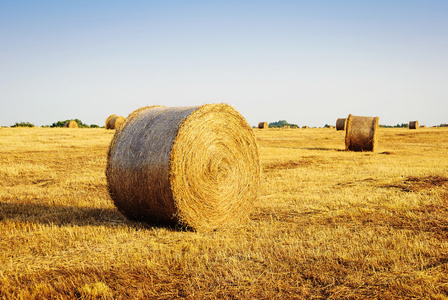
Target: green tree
{"points": [[281, 123], [61, 123], [23, 124]]}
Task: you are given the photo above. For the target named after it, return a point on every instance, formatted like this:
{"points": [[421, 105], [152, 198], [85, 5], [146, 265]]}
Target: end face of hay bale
{"points": [[413, 124], [360, 133], [341, 123], [195, 166], [263, 125]]}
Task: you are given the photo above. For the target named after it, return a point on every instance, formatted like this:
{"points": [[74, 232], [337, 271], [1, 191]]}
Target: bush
{"points": [[61, 123], [402, 125], [23, 124], [280, 124]]}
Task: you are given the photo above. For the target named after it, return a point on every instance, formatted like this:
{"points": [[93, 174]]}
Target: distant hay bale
{"points": [[305, 127], [118, 122], [286, 127], [71, 124], [114, 121], [422, 126], [331, 126], [196, 166], [341, 123], [360, 133], [413, 124], [263, 125], [108, 121]]}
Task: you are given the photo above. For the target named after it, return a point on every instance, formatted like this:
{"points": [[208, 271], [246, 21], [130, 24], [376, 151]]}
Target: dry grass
{"points": [[329, 223]]}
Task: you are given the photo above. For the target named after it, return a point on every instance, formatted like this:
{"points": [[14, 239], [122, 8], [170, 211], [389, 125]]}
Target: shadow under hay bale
{"points": [[71, 124], [360, 133], [341, 123], [196, 166], [413, 124], [263, 125]]}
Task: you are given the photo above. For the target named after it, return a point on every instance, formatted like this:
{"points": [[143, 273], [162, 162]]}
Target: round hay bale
{"points": [[263, 125], [71, 124], [114, 122], [413, 124], [360, 133], [118, 122], [109, 121], [195, 166], [305, 127], [341, 123]]}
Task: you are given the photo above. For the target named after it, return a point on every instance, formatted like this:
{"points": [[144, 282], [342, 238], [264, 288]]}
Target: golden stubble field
{"points": [[328, 224]]}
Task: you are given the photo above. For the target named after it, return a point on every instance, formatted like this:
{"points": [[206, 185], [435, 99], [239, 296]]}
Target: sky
{"points": [[307, 62]]}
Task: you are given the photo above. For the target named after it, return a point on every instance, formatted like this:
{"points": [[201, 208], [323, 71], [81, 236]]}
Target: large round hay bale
{"points": [[263, 125], [360, 134], [341, 123], [196, 166], [413, 124], [71, 124], [305, 127]]}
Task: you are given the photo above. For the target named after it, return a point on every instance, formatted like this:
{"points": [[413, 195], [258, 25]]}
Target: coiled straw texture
{"points": [[360, 133], [195, 166]]}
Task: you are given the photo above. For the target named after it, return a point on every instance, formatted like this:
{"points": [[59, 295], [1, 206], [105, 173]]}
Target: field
{"points": [[329, 224]]}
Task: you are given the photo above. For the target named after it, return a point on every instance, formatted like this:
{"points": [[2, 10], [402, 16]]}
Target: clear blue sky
{"points": [[307, 62]]}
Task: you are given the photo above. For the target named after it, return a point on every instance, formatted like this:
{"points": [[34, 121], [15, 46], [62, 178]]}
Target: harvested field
{"points": [[328, 223]]}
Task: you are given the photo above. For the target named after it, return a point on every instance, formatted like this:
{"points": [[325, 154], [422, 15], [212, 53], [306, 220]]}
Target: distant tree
{"points": [[23, 124], [281, 123], [94, 126], [402, 125], [61, 123]]}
